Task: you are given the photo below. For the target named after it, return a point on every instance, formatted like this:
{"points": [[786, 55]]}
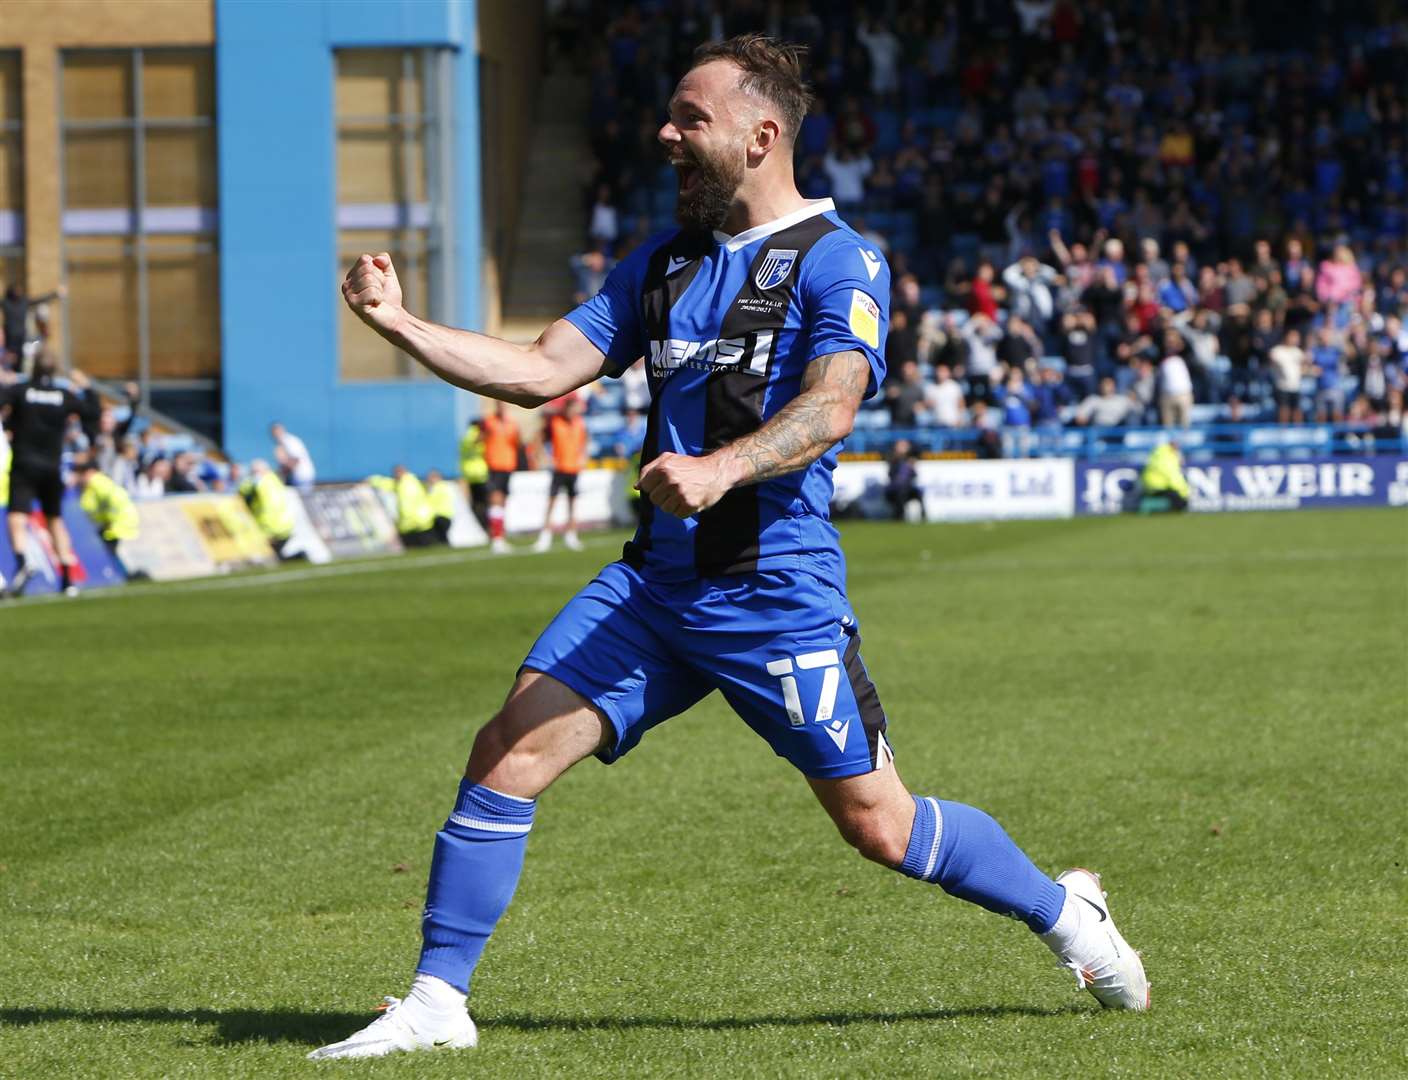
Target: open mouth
{"points": [[688, 176]]}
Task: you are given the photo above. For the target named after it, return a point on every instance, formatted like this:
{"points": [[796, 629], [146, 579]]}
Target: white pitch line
{"points": [[389, 564]]}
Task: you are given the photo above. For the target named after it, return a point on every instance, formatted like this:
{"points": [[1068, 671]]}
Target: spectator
{"points": [[1175, 384], [295, 463], [902, 487], [1327, 366], [982, 295], [884, 49], [1029, 284], [184, 477], [943, 398], [1338, 281], [1079, 350], [980, 336], [604, 225], [589, 271], [902, 345], [15, 310], [1288, 366], [1020, 347], [1105, 409], [847, 171], [905, 399], [635, 388], [1051, 397], [152, 481], [631, 437]]}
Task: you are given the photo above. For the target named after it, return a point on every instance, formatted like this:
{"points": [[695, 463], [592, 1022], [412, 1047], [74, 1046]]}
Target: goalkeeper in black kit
{"points": [[37, 414]]}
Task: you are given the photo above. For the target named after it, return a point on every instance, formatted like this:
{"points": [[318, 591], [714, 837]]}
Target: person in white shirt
{"points": [[292, 455], [847, 173], [944, 399], [1029, 283], [635, 388], [982, 336], [1175, 384], [1288, 363], [605, 225], [884, 50]]}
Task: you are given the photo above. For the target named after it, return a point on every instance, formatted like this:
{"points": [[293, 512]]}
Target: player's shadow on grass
{"points": [[315, 1028]]}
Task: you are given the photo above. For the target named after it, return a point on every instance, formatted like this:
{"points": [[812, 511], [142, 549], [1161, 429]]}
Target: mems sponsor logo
{"points": [[750, 352]]}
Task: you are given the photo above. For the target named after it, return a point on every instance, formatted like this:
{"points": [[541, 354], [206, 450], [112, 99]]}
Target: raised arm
{"points": [[801, 431], [561, 360]]}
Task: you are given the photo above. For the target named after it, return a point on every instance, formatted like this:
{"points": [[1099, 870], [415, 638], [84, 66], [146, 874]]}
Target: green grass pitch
{"points": [[217, 802]]}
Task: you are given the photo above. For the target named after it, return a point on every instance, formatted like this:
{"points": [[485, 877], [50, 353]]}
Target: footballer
{"points": [[762, 322]]}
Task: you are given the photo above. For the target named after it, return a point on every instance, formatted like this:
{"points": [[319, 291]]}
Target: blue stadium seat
{"points": [[887, 131]]}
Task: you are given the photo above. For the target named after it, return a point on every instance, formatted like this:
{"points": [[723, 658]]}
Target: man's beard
{"points": [[706, 204]]}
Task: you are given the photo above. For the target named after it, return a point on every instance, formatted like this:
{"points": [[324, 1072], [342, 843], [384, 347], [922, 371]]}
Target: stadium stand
{"points": [[1213, 218]]}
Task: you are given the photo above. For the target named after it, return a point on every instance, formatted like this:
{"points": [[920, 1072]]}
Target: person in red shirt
{"points": [[501, 455], [566, 433], [982, 299]]}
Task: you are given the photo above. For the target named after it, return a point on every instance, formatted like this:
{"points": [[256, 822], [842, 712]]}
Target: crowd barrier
{"points": [[187, 536]]}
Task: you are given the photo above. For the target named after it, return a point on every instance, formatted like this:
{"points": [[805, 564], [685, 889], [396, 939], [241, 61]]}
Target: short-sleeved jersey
{"points": [[39, 415], [727, 326]]}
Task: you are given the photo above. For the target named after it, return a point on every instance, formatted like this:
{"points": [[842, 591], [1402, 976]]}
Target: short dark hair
{"points": [[771, 69]]}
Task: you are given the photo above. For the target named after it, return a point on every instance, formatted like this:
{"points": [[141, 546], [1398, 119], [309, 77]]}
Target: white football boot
{"points": [[544, 542], [500, 546], [393, 1032], [571, 540], [1102, 960]]}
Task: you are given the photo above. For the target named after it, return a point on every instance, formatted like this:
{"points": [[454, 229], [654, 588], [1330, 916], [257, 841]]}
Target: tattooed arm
{"points": [[802, 430]]}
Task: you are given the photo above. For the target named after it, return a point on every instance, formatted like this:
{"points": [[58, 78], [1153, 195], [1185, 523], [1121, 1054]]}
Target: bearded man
{"points": [[762, 321]]}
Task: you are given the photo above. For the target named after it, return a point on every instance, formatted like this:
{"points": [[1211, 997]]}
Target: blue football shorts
{"points": [[782, 646]]}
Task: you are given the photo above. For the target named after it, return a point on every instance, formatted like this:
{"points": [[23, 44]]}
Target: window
{"points": [[140, 223], [393, 180], [11, 173]]}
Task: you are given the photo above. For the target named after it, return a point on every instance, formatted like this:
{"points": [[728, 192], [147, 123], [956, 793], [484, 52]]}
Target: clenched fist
{"points": [[373, 292], [682, 485]]}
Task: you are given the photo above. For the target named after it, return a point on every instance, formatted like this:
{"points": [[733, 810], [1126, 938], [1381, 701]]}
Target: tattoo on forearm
{"points": [[806, 427]]}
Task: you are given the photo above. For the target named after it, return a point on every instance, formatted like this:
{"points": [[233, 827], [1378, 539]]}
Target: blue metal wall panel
{"points": [[278, 267]]}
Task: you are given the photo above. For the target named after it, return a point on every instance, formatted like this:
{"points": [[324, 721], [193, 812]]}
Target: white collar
{"points": [[757, 232]]}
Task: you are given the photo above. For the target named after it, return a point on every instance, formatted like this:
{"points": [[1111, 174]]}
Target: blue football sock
{"points": [[478, 857], [966, 853]]}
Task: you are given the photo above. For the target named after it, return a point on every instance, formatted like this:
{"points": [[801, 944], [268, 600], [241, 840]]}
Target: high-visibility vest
{"points": [[1163, 472], [110, 508], [4, 470], [413, 511], [500, 444], [473, 467], [442, 499], [268, 502], [569, 443]]}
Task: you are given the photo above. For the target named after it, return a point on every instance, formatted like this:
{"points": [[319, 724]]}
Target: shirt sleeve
{"points": [[846, 298], [611, 319]]}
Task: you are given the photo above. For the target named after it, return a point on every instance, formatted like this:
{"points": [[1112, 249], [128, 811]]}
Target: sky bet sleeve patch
{"points": [[865, 318]]}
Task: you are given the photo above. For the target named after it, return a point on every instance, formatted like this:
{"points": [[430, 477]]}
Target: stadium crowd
{"points": [[1095, 214]]}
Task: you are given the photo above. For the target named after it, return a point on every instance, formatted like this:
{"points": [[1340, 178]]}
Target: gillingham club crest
{"points": [[775, 267]]}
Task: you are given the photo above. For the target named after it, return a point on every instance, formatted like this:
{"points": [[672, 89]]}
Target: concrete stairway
{"points": [[551, 223]]}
